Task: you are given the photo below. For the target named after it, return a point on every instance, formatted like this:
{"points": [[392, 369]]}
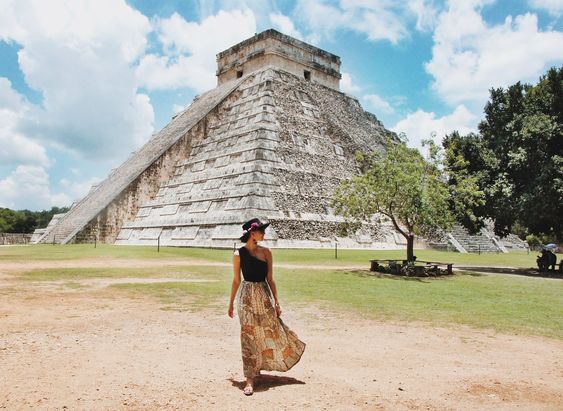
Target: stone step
{"points": [[118, 180]]}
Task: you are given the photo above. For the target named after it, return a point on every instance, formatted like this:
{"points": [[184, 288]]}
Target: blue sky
{"points": [[83, 83]]}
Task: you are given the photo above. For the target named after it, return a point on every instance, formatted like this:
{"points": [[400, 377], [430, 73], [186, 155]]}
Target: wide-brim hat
{"points": [[252, 225]]}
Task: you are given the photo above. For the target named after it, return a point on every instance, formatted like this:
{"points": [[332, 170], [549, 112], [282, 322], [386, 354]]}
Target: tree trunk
{"points": [[410, 247]]}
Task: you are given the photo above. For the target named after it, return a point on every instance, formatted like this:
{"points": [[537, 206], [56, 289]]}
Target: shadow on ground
{"points": [[528, 272], [463, 270], [368, 273], [265, 382]]}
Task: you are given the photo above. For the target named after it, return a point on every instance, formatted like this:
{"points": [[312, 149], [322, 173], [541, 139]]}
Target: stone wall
{"points": [[14, 238]]}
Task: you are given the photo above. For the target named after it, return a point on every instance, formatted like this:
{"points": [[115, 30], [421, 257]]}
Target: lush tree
{"points": [[407, 189], [517, 157], [25, 221]]}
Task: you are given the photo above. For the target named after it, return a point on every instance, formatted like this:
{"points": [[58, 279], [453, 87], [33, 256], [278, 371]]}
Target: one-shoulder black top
{"points": [[253, 269]]}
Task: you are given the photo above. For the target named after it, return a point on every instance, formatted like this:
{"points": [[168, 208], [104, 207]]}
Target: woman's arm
{"points": [[271, 282], [236, 283]]}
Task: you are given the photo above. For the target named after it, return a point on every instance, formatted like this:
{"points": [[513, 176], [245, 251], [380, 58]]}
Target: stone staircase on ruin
{"points": [[99, 197], [483, 242]]}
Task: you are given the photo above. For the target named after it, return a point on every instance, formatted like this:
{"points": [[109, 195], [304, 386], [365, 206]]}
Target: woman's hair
{"points": [[246, 236]]}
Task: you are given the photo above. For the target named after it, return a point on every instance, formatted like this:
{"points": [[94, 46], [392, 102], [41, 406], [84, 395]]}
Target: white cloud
{"points": [[376, 19], [469, 57], [347, 84], [425, 13], [190, 49], [27, 187], [9, 98], [378, 103], [15, 148], [176, 108], [422, 125], [80, 55], [285, 25], [77, 189], [553, 7]]}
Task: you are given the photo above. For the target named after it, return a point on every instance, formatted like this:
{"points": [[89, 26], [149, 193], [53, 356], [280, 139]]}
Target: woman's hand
{"points": [[230, 313], [278, 309]]}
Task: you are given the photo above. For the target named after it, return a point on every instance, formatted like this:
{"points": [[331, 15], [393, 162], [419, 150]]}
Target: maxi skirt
{"points": [[266, 342]]}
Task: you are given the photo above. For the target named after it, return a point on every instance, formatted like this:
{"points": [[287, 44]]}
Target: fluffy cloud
{"points": [[378, 103], [376, 19], [425, 13], [422, 125], [28, 187], [372, 19], [469, 56], [347, 84], [190, 49], [285, 25], [15, 148], [79, 55], [553, 7]]}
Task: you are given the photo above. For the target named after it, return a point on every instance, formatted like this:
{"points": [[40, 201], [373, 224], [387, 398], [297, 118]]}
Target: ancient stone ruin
{"points": [[272, 140]]}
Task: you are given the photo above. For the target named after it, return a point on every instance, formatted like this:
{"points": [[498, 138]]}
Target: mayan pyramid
{"points": [[272, 140]]}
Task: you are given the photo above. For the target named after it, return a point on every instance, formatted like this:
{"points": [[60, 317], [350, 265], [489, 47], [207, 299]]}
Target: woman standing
{"points": [[266, 342]]}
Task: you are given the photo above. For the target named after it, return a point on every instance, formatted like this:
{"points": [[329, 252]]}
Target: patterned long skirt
{"points": [[267, 343]]}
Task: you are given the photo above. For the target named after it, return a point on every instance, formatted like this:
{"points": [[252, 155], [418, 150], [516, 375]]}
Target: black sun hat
{"points": [[252, 225]]}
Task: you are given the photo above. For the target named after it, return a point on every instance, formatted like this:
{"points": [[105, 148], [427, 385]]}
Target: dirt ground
{"points": [[96, 348]]}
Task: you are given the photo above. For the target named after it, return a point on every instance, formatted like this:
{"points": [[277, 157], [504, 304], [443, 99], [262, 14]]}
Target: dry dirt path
{"points": [[98, 349]]}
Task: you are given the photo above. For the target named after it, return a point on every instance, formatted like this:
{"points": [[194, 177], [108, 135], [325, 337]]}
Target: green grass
{"points": [[504, 303], [42, 252], [286, 256], [507, 303]]}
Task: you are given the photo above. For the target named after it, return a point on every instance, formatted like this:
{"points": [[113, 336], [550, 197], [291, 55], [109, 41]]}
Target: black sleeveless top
{"points": [[253, 269]]}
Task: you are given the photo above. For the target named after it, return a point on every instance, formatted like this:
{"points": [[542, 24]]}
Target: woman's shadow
{"points": [[264, 382]]}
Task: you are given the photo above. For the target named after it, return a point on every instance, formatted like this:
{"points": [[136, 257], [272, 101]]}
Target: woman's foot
{"points": [[249, 389]]}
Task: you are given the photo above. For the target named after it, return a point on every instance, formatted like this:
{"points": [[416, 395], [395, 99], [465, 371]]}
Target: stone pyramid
{"points": [[272, 140]]}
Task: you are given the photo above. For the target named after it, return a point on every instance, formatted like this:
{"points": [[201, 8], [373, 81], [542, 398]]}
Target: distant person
{"points": [[266, 342], [546, 259]]}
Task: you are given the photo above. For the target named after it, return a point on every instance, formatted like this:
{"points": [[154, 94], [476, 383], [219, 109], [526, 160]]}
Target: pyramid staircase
{"points": [[69, 225], [482, 242]]}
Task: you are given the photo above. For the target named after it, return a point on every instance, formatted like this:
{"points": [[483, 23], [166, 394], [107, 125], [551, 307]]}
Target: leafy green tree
{"points": [[517, 157], [407, 189], [25, 221]]}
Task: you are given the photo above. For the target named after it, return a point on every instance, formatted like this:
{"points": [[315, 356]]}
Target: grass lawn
{"points": [[505, 303], [288, 256]]}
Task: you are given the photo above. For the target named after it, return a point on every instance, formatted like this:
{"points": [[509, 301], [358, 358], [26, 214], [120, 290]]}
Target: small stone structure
{"points": [[485, 241], [272, 140], [273, 49]]}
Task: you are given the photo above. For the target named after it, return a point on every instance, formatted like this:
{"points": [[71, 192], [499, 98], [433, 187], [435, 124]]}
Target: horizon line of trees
{"points": [[26, 221]]}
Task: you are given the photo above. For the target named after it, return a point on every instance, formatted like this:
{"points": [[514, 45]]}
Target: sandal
{"points": [[248, 390]]}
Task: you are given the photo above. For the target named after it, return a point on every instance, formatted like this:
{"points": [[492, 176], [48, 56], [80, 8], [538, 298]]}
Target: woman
{"points": [[266, 342]]}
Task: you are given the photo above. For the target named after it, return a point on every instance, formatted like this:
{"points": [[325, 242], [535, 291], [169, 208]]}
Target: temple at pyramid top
{"points": [[272, 48]]}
